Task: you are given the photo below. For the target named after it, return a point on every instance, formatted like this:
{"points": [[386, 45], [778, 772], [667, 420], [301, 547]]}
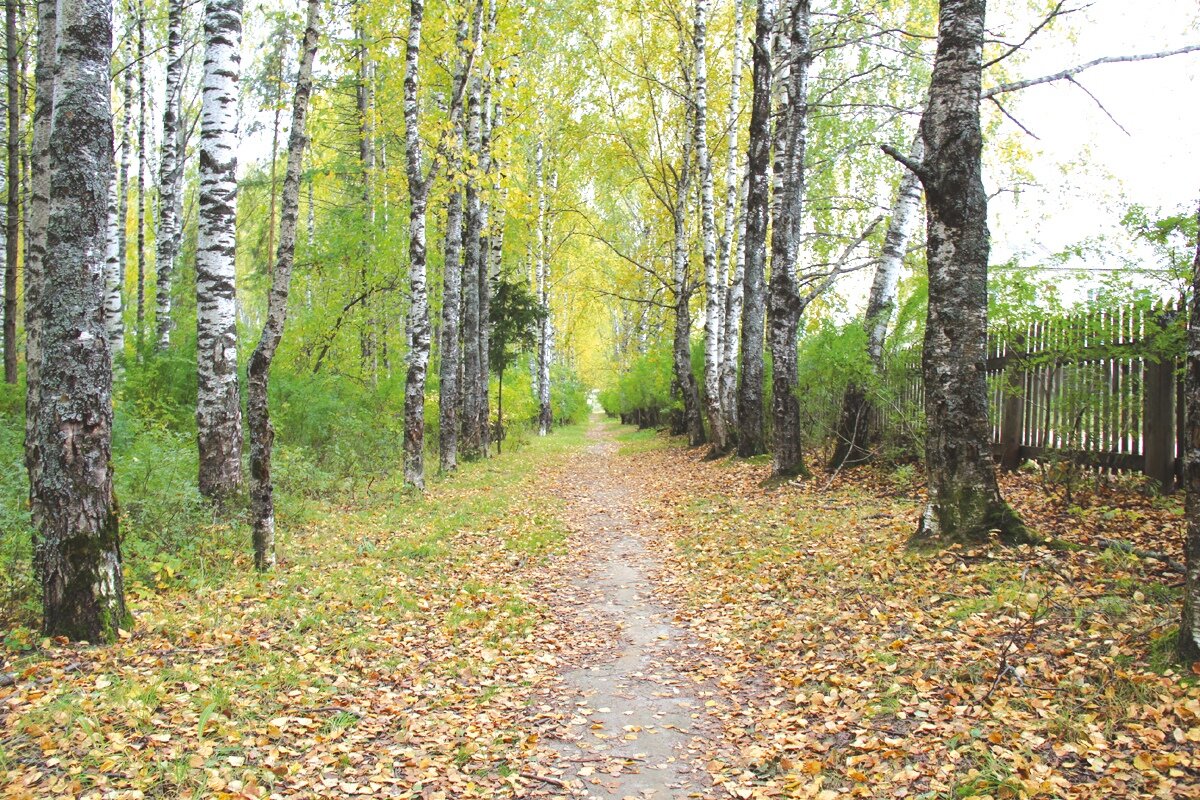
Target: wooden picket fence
{"points": [[1101, 389]]}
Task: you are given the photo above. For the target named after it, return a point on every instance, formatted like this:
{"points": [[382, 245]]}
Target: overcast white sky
{"points": [[1085, 165]]}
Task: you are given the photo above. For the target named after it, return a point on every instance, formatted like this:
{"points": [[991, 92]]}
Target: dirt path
{"points": [[638, 723]]}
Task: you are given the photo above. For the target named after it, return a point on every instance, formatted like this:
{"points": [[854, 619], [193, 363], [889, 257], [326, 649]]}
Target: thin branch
{"points": [[1072, 71], [1013, 119]]}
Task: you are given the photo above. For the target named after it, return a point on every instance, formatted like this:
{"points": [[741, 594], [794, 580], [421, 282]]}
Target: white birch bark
{"points": [[754, 245], [418, 190], [262, 435], [855, 433], [35, 255], [731, 262], [218, 411], [169, 179], [10, 174], [714, 292], [78, 553]]}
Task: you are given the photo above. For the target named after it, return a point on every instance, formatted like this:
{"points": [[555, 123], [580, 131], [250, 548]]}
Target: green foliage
{"points": [[830, 360], [644, 388], [514, 315], [568, 396]]}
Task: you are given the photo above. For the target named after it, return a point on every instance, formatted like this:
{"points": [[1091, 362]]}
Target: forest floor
{"points": [[604, 613]]}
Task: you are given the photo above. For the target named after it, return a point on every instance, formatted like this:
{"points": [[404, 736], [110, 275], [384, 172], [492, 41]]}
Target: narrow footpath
{"points": [[638, 726]]}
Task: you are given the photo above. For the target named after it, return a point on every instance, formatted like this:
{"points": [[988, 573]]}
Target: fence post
{"points": [[1158, 417], [1012, 415]]}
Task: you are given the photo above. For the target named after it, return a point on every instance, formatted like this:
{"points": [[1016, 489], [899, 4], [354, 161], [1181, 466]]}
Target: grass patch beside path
{"points": [[391, 653], [865, 670]]}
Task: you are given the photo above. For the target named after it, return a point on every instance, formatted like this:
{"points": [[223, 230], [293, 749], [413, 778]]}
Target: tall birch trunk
{"points": [[731, 263], [784, 305], [141, 174], [262, 435], [1189, 627], [750, 384], [473, 265], [169, 179], [714, 290], [964, 498], [12, 179], [542, 365], [685, 381], [491, 242], [116, 305], [450, 353], [45, 70], [418, 191], [78, 552], [365, 97], [218, 411], [856, 435]]}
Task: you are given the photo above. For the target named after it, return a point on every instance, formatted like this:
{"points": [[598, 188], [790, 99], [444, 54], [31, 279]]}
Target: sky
{"points": [[1085, 166]]}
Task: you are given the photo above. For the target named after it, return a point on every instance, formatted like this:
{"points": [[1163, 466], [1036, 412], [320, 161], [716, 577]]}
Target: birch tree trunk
{"points": [[492, 247], [45, 70], [116, 305], [681, 351], [542, 365], [784, 306], [452, 287], [856, 435], [473, 266], [731, 265], [964, 498], [418, 190], [218, 411], [714, 294], [12, 179], [365, 97], [78, 552], [750, 385], [169, 179], [141, 175], [262, 435]]}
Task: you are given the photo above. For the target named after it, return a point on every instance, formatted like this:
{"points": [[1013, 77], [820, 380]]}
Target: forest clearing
{"points": [[606, 614], [457, 399]]}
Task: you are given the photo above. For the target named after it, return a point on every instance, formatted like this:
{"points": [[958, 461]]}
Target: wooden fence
{"points": [[1101, 389]]}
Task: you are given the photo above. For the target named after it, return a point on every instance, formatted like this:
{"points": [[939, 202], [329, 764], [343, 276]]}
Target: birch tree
{"points": [[452, 286], [472, 434], [262, 435], [964, 498], [169, 179], [218, 410], [140, 321], [784, 304], [750, 400], [12, 179], [45, 70], [542, 287], [714, 295], [77, 552], [855, 434], [419, 182], [731, 264], [115, 301]]}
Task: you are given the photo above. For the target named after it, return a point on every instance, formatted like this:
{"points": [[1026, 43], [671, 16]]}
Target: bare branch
{"points": [[1073, 71], [1013, 119]]}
